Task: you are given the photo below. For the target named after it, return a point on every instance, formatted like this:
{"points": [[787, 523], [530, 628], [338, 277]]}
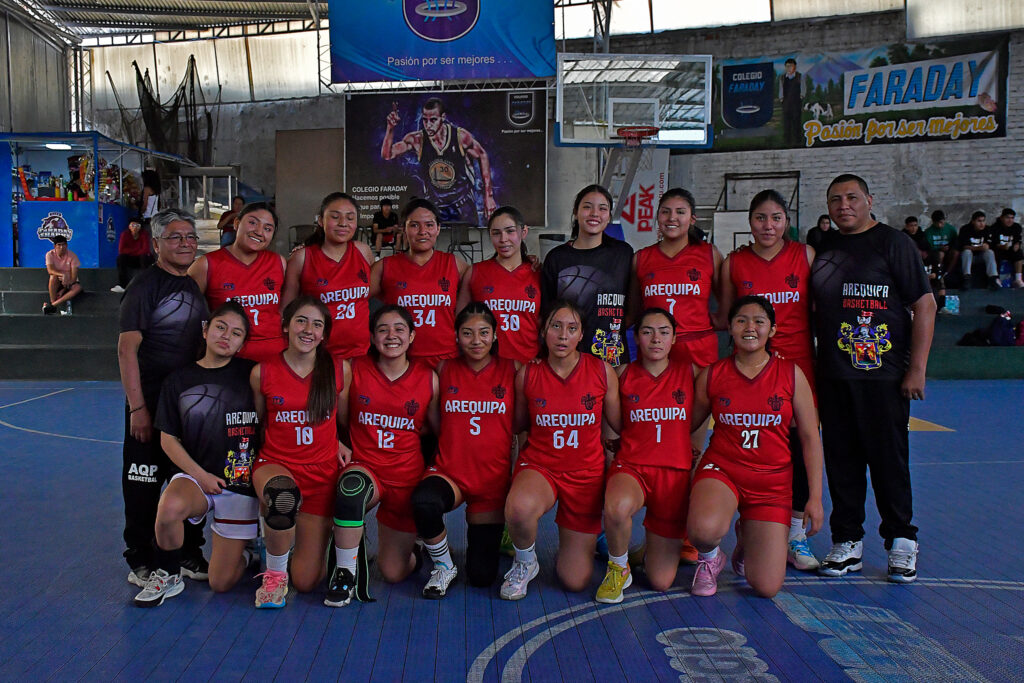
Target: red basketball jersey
{"points": [[681, 285], [385, 419], [514, 298], [752, 416], [344, 288], [785, 282], [476, 419], [656, 416], [428, 292], [565, 416], [289, 438], [257, 287]]}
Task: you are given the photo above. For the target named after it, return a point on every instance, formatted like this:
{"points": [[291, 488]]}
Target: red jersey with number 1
{"points": [[428, 292], [257, 287], [565, 416], [656, 416], [344, 287], [289, 438], [514, 298], [680, 284]]}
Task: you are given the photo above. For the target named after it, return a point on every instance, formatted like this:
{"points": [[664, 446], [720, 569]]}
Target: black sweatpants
{"points": [[864, 426], [801, 492]]}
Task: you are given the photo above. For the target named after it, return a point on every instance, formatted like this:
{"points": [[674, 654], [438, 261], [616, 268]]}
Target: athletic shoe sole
{"points": [[337, 603], [271, 605], [169, 593], [902, 578], [803, 564], [618, 599], [835, 572]]}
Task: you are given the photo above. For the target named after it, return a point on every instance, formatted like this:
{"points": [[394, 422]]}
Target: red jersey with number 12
{"points": [[656, 416], [289, 438], [428, 292], [344, 287], [514, 298], [257, 287]]}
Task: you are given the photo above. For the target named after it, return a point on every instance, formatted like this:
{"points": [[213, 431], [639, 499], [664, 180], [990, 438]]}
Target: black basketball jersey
{"points": [[447, 174]]}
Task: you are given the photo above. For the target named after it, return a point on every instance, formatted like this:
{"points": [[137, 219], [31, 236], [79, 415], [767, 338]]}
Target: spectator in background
{"points": [[150, 196], [134, 252], [1006, 238], [942, 237], [385, 229], [226, 224], [816, 235], [62, 266], [975, 241], [930, 257]]}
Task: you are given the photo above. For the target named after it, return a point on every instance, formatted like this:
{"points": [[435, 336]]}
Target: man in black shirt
{"points": [[161, 328], [872, 356], [975, 242], [386, 230], [1006, 238]]}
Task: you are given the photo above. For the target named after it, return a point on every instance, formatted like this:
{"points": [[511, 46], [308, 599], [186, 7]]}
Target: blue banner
{"points": [[403, 40]]}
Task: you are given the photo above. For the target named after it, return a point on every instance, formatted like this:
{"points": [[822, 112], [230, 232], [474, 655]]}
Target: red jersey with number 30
{"points": [[785, 281], [344, 287], [752, 416], [514, 298], [475, 443], [565, 416], [385, 419], [257, 287], [289, 438], [656, 416], [680, 284], [428, 292]]}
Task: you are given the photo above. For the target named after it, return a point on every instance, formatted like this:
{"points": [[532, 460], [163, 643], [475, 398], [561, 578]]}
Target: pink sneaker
{"points": [[705, 580], [271, 595]]}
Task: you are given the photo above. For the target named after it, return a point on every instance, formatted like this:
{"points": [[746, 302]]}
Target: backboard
{"points": [[599, 93]]}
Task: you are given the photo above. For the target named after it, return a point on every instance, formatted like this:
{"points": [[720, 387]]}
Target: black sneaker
{"points": [[49, 309], [341, 588], [844, 557], [195, 568]]}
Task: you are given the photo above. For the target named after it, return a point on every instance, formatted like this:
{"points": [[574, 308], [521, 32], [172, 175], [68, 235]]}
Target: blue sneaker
{"points": [[800, 555]]}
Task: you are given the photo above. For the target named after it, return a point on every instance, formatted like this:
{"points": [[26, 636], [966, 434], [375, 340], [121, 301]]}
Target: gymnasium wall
{"points": [[34, 87]]}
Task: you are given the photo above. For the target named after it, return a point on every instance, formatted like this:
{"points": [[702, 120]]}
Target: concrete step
{"points": [[35, 279], [71, 362], [35, 329], [103, 302]]}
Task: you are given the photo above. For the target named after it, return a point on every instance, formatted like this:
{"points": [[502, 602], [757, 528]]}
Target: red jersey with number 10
{"points": [[656, 416], [514, 298], [344, 287], [428, 292], [289, 438], [257, 287]]}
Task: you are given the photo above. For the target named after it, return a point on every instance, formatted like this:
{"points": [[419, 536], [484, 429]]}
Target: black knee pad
{"points": [[482, 549], [282, 498], [432, 498], [355, 490]]}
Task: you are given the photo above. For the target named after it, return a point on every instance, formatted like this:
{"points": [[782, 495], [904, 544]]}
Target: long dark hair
{"points": [[229, 306], [258, 206], [319, 234], [769, 195], [481, 309], [692, 236], [556, 306], [600, 189], [378, 314], [323, 388], [516, 217]]}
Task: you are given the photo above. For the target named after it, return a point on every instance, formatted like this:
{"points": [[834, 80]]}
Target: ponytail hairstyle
{"points": [[474, 308], [556, 306], [323, 389], [319, 234], [579, 198], [517, 218], [680, 193], [379, 313]]}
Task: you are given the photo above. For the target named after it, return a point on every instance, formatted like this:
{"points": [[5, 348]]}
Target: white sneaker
{"points": [[117, 289], [801, 556], [903, 560], [844, 557], [159, 586], [517, 579], [440, 578]]}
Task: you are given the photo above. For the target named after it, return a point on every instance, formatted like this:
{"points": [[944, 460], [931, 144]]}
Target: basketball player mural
{"points": [[446, 154]]}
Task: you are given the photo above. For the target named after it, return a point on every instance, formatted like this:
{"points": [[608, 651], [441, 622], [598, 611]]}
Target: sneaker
{"points": [[271, 593], [616, 580], [844, 557], [341, 588], [195, 568], [117, 289], [49, 309], [159, 586], [800, 555], [440, 578], [944, 311], [517, 579], [705, 579], [1017, 284], [688, 555], [993, 284], [903, 561], [138, 576]]}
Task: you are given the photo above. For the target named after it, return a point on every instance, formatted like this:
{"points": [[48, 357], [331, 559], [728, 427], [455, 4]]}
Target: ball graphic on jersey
{"points": [[174, 311], [580, 283], [198, 405]]}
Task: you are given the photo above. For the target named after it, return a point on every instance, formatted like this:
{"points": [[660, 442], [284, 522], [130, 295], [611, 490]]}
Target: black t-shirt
{"points": [[863, 285], [211, 411], [815, 237], [597, 280], [382, 221], [969, 237], [169, 311], [920, 241], [1005, 237]]}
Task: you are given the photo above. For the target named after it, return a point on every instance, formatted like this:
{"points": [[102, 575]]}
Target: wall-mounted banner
{"points": [[410, 40], [913, 92], [469, 152]]}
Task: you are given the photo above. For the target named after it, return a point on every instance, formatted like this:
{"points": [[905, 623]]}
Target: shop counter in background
{"points": [[92, 230]]}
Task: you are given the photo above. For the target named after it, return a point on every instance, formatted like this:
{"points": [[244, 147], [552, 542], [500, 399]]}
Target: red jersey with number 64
{"points": [[289, 438], [257, 287], [344, 287], [428, 292], [656, 416], [514, 298]]}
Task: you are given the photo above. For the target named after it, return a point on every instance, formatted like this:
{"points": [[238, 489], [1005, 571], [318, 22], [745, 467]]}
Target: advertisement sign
{"points": [[468, 152], [92, 230], [639, 219], [403, 40]]}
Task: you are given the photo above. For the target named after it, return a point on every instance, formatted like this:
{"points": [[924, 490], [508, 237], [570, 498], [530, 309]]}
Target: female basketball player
{"points": [[392, 399], [251, 274], [474, 459], [652, 466], [208, 429], [510, 286], [336, 269], [562, 399], [297, 396], [754, 397], [779, 270], [424, 281]]}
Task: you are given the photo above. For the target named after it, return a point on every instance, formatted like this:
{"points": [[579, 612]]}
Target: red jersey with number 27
{"points": [[514, 298], [344, 287], [257, 287], [656, 416], [289, 438], [428, 292]]}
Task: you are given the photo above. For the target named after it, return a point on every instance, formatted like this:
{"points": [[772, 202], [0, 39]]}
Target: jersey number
{"points": [[657, 432], [509, 322], [303, 436], [421, 319], [346, 311], [385, 439], [474, 425], [561, 441], [255, 316], [671, 305], [750, 438]]}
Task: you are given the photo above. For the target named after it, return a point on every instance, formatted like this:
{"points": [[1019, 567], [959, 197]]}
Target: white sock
{"points": [[277, 563], [621, 560], [1018, 276], [708, 556], [796, 527], [346, 558], [439, 552], [527, 555]]}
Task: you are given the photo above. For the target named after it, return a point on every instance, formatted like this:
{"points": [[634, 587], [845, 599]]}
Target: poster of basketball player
{"points": [[467, 152]]}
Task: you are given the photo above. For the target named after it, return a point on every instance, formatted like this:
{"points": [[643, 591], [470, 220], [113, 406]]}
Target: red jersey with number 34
{"points": [[656, 416], [344, 287], [514, 298], [257, 287], [428, 292], [289, 438]]}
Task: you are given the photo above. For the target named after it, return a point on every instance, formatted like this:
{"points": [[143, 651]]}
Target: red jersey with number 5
{"points": [[752, 416], [257, 287], [428, 292], [385, 419], [344, 287], [289, 438], [514, 298], [656, 416], [565, 416], [680, 284]]}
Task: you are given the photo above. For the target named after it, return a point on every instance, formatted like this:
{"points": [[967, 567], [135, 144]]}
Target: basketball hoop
{"points": [[635, 135]]}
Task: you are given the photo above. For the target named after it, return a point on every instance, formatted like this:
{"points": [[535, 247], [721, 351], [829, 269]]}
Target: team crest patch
{"points": [[792, 280], [775, 402], [540, 402], [365, 400], [277, 400], [498, 391], [401, 285], [608, 346], [411, 406], [270, 284], [588, 401], [693, 274], [237, 468], [488, 289], [679, 396], [531, 291], [453, 389], [634, 398], [747, 284], [444, 283], [363, 276], [865, 343], [321, 282], [725, 401]]}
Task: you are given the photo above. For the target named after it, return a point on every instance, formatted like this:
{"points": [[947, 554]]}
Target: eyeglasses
{"points": [[177, 238]]}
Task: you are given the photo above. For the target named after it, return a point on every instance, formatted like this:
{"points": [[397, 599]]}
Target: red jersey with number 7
{"points": [[289, 437], [656, 416], [514, 298], [344, 287], [428, 292], [257, 287]]}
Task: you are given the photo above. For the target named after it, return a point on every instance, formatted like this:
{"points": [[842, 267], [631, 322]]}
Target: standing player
{"points": [[562, 399], [474, 454], [445, 153], [389, 403], [510, 286], [652, 466], [297, 397], [754, 397], [251, 274], [335, 269], [780, 271]]}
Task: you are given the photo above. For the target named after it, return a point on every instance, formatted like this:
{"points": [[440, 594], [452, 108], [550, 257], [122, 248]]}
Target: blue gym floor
{"points": [[66, 613]]}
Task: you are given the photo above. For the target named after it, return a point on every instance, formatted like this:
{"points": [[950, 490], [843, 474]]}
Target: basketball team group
{"points": [[271, 399]]}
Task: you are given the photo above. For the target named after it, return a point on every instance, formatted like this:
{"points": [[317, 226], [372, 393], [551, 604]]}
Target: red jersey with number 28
{"points": [[257, 287], [344, 287], [514, 298], [656, 416], [752, 416], [565, 416], [428, 292], [289, 438]]}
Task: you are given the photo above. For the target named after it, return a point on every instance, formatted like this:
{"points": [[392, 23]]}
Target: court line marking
{"points": [[972, 462], [36, 398], [42, 433], [918, 425]]}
